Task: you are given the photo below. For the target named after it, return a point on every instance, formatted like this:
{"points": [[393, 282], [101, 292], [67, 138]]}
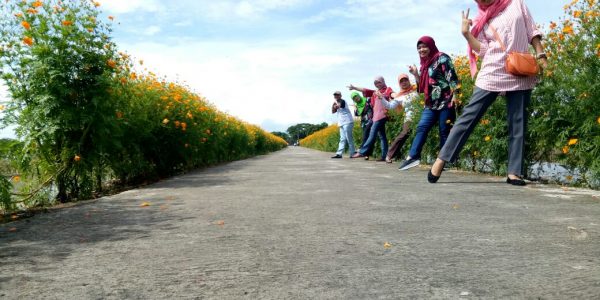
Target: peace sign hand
{"points": [[466, 22]]}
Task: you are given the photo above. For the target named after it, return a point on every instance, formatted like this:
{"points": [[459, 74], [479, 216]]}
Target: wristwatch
{"points": [[541, 55]]}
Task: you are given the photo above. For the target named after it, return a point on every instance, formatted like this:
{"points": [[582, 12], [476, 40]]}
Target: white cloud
{"points": [[120, 6], [152, 30], [252, 82]]}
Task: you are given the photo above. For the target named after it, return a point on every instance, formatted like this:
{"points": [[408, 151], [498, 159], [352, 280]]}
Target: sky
{"points": [[276, 63]]}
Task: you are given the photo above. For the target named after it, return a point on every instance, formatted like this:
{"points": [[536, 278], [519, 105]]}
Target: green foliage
{"points": [[302, 130], [86, 118]]}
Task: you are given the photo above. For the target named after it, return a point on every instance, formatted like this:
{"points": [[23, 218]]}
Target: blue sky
{"points": [[276, 63]]}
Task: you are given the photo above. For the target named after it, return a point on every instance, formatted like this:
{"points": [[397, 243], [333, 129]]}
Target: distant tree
{"points": [[283, 135], [302, 130]]}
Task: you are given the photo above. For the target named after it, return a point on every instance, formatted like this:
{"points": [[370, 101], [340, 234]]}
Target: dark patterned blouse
{"points": [[443, 81]]}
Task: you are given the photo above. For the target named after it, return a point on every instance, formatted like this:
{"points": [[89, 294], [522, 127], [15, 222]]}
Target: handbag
{"points": [[518, 63]]}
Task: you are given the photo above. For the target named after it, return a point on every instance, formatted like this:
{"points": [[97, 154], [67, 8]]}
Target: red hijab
{"points": [[434, 53], [486, 12]]}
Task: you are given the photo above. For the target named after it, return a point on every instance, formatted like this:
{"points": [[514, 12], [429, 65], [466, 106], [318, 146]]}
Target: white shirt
{"points": [[406, 101]]}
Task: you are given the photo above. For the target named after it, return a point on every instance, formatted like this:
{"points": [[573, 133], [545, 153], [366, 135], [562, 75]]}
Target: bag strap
{"points": [[497, 37]]}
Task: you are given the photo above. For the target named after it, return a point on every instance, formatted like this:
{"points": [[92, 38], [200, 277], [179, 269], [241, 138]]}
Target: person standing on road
{"points": [[346, 124], [404, 99], [379, 117], [438, 81], [365, 112], [499, 23]]}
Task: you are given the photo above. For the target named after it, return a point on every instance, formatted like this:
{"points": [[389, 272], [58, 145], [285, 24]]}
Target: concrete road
{"points": [[298, 225]]}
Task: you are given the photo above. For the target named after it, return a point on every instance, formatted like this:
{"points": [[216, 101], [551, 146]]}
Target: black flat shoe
{"points": [[432, 178], [519, 181]]}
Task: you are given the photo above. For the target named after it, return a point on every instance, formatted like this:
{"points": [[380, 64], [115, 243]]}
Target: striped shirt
{"points": [[516, 28]]}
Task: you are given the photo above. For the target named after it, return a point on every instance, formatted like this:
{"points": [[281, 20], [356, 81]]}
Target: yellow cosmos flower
{"points": [[565, 149], [16, 178], [568, 30], [77, 158], [165, 121], [37, 4], [25, 25], [598, 120], [577, 14], [67, 23], [572, 142], [488, 138]]}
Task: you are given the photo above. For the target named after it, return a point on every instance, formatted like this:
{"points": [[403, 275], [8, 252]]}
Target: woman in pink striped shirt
{"points": [[502, 26]]}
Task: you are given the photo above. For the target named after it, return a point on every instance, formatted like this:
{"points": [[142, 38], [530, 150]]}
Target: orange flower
{"points": [[89, 29], [16, 178], [568, 30], [37, 4], [485, 122], [133, 76], [32, 11], [119, 115], [111, 63], [577, 13], [552, 25], [207, 131], [96, 4], [572, 142], [189, 115], [488, 138], [27, 41], [77, 158], [111, 18], [183, 126], [19, 15], [67, 23], [598, 120], [25, 25], [565, 149]]}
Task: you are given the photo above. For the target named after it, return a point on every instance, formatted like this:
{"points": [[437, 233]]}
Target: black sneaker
{"points": [[409, 163], [336, 156]]}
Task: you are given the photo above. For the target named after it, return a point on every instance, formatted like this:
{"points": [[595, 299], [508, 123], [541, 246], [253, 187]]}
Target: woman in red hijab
{"points": [[437, 80], [502, 26]]}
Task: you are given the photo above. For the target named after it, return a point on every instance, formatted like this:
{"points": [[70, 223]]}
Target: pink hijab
{"points": [[434, 54], [486, 12]]}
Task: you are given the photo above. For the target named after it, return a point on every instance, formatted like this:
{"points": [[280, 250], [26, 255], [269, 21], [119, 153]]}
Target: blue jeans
{"points": [[346, 137], [366, 130], [378, 128], [428, 119]]}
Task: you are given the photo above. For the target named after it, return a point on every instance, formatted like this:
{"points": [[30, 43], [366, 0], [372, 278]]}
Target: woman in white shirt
{"points": [[404, 98]]}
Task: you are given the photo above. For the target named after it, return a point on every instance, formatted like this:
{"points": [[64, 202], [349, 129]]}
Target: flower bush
{"points": [[87, 118]]}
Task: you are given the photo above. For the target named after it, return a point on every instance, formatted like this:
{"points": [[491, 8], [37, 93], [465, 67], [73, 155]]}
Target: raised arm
{"points": [[466, 32]]}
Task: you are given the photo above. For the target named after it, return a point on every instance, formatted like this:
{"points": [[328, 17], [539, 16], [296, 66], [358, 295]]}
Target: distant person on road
{"points": [[379, 117], [403, 99], [364, 110], [437, 80], [499, 22], [346, 124]]}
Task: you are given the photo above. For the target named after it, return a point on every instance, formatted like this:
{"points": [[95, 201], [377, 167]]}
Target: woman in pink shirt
{"points": [[384, 93], [499, 23]]}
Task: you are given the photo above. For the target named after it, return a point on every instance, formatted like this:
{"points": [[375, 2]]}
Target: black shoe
{"points": [[518, 181], [432, 178], [336, 156], [409, 163]]}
